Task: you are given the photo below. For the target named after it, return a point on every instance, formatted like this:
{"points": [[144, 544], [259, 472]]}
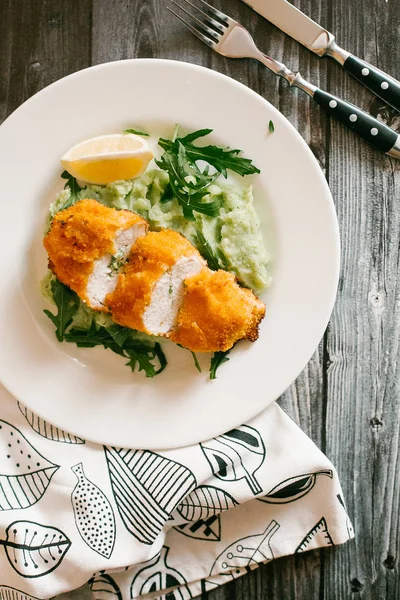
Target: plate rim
{"points": [[328, 308]]}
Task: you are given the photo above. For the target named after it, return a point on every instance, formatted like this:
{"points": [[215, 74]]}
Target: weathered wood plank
{"points": [[38, 45], [363, 391], [347, 398], [40, 42]]}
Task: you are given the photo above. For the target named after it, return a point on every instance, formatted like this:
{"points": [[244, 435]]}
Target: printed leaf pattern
{"points": [[207, 586], [349, 525], [103, 587], [24, 473], [33, 550], [47, 430], [236, 455], [208, 530], [157, 575], [293, 488], [317, 537], [246, 552], [8, 593], [94, 516], [147, 487], [204, 502]]}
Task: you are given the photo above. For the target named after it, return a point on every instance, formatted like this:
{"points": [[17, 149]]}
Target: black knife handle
{"points": [[372, 130], [377, 81]]}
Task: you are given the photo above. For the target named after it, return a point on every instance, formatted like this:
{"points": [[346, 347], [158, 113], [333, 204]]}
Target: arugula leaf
{"points": [[168, 194], [217, 360], [119, 339], [188, 196], [73, 186], [141, 360], [136, 132], [220, 158], [271, 127], [67, 303], [215, 259], [145, 356], [141, 354], [94, 336], [187, 182], [119, 334], [196, 362], [195, 135]]}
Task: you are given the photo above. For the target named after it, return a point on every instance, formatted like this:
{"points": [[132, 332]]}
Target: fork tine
{"points": [[214, 12], [197, 33], [214, 35], [216, 24]]}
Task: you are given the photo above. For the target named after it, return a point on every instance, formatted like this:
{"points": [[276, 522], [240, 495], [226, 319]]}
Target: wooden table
{"points": [[348, 397]]}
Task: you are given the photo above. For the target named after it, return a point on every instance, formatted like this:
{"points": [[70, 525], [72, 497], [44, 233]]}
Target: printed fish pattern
{"points": [[9, 593], [103, 587], [208, 529], [293, 488], [46, 430], [246, 552], [24, 473], [34, 550], [207, 586], [349, 525], [94, 516], [236, 455], [157, 575], [317, 537], [147, 487], [205, 501]]}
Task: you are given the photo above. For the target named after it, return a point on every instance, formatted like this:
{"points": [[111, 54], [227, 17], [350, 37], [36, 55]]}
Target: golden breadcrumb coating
{"points": [[154, 254], [216, 312], [81, 234]]}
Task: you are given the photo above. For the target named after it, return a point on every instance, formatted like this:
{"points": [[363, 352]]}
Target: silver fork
{"points": [[229, 38]]}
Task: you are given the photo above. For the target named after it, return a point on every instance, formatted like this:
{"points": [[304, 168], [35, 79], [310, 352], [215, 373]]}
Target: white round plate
{"points": [[90, 392]]}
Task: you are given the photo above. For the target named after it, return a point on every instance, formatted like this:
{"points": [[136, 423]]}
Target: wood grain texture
{"points": [[348, 397]]}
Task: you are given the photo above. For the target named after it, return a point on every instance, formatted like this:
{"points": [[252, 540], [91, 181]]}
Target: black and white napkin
{"points": [[135, 523]]}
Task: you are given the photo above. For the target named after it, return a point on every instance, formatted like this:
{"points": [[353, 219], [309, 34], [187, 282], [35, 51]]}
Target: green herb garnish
{"points": [[67, 303], [142, 356], [188, 183], [220, 158], [136, 132], [215, 259], [117, 261], [217, 360], [73, 185], [196, 362], [271, 127]]}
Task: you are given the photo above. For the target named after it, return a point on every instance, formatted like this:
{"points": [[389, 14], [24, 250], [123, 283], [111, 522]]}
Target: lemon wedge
{"points": [[108, 158]]}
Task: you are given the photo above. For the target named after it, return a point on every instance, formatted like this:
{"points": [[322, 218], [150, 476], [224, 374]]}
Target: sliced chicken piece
{"points": [[216, 313], [150, 289], [88, 244]]}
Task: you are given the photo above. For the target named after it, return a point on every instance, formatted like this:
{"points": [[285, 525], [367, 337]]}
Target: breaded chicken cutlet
{"points": [[155, 282], [88, 243], [150, 289]]}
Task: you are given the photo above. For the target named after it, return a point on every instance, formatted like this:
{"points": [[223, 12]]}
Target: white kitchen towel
{"points": [[137, 523]]}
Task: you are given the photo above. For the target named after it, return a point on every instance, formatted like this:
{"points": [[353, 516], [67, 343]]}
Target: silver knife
{"points": [[317, 39]]}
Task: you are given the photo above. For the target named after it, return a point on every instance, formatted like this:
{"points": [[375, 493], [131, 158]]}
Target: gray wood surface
{"points": [[348, 397]]}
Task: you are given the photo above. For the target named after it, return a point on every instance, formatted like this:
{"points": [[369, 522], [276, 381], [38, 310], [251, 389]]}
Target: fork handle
{"points": [[373, 131]]}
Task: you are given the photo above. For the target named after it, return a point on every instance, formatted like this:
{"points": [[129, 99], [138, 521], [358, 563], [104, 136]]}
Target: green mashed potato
{"points": [[234, 235]]}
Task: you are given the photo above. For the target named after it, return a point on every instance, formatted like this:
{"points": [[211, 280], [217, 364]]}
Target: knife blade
{"points": [[293, 22]]}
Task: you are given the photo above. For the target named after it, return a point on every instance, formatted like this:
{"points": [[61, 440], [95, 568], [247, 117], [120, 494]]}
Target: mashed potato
{"points": [[235, 232]]}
